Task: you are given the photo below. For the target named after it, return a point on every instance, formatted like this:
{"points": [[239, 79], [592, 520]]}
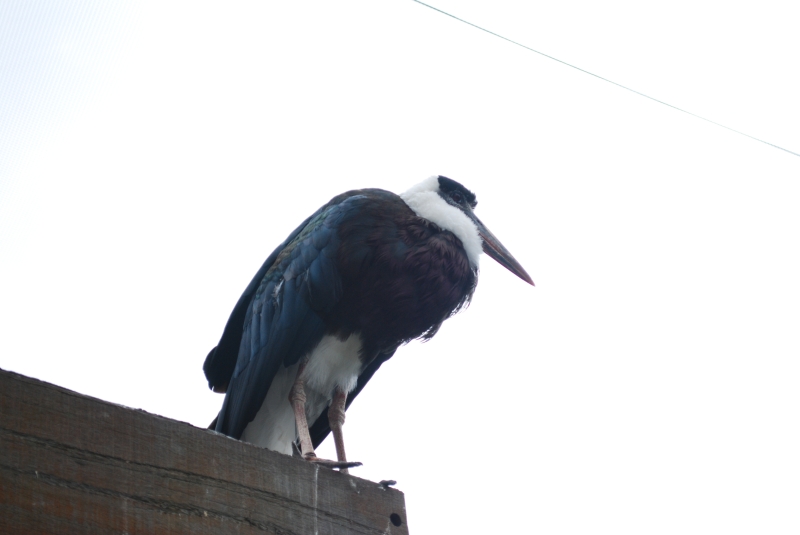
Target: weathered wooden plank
{"points": [[74, 464]]}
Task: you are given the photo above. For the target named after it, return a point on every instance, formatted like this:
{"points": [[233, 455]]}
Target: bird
{"points": [[363, 275]]}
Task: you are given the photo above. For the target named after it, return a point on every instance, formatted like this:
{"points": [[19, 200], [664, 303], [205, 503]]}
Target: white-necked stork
{"points": [[366, 273]]}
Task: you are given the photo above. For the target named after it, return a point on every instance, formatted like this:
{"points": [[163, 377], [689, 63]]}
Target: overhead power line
{"points": [[481, 28]]}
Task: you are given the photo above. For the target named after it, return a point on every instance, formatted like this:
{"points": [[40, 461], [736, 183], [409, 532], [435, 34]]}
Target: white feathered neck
{"points": [[426, 202]]}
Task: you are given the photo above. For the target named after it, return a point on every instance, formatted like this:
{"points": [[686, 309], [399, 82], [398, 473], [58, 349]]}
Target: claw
{"points": [[333, 464]]}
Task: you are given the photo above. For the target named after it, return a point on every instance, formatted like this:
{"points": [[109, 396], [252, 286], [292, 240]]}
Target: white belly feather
{"points": [[333, 363]]}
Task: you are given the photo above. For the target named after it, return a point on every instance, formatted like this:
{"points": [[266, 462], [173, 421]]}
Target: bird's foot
{"points": [[331, 464]]}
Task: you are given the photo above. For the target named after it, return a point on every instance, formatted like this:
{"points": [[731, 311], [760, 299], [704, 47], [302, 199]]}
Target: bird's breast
{"points": [[402, 276]]}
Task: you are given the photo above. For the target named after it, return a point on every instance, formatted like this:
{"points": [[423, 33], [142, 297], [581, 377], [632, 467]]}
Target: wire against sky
{"points": [[604, 79]]}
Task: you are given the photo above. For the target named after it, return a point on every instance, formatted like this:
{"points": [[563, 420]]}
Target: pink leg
{"points": [[297, 397], [336, 421]]}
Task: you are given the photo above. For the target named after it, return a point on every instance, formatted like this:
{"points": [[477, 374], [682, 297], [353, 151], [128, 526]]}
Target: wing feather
{"points": [[277, 320]]}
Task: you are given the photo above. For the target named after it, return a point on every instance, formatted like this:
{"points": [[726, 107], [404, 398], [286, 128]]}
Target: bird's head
{"points": [[450, 205]]}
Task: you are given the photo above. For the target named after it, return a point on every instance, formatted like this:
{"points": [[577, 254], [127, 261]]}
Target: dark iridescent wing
{"points": [[277, 321]]}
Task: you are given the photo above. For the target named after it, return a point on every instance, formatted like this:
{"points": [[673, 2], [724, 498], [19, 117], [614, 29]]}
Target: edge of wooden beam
{"points": [[70, 462]]}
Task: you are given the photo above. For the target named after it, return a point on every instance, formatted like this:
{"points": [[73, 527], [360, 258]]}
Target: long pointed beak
{"points": [[495, 249]]}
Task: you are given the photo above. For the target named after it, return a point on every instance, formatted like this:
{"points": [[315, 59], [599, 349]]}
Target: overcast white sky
{"points": [[153, 154]]}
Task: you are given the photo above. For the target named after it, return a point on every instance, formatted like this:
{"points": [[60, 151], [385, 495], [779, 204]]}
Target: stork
{"points": [[363, 275]]}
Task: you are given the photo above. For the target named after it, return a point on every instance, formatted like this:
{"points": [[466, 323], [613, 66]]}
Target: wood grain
{"points": [[74, 464]]}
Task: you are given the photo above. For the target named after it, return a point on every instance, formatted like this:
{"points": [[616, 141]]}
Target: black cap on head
{"points": [[446, 185]]}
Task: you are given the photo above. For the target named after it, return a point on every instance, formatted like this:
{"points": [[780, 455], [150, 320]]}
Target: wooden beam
{"points": [[70, 463]]}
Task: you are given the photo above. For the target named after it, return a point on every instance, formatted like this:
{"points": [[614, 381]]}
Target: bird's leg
{"points": [[336, 421], [297, 397]]}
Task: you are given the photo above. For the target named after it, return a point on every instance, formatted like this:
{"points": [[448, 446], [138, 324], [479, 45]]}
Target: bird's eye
{"points": [[457, 198]]}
